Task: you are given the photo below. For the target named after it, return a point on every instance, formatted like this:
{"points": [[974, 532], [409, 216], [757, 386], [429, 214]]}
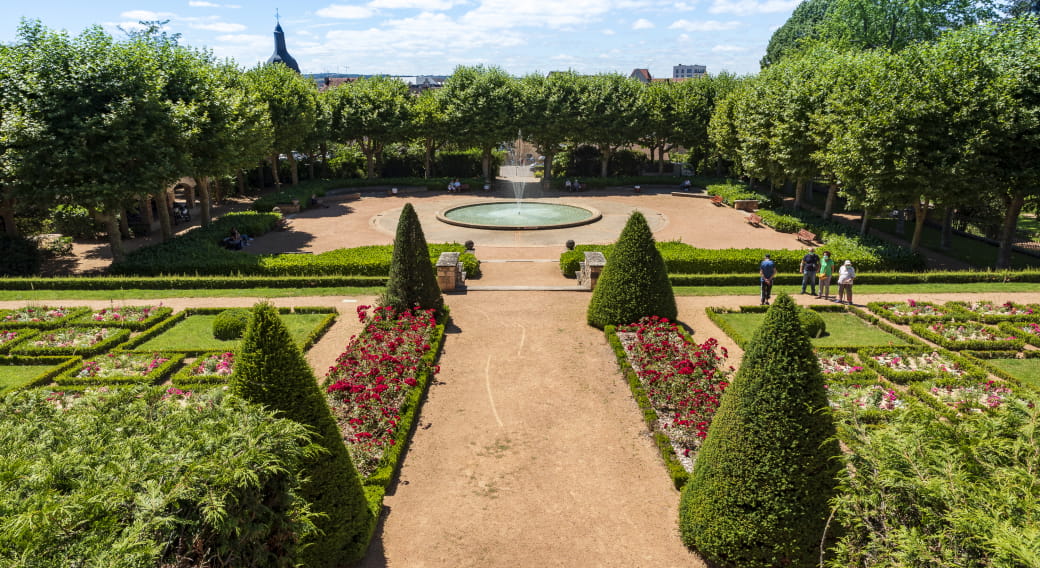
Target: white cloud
{"points": [[423, 5], [728, 49], [685, 6], [146, 15], [745, 7], [244, 38], [345, 12], [704, 26], [642, 24], [197, 4], [552, 13], [221, 27], [609, 32]]}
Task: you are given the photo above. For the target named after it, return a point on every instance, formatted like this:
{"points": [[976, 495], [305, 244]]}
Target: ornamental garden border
{"points": [[1030, 313], [924, 331]]}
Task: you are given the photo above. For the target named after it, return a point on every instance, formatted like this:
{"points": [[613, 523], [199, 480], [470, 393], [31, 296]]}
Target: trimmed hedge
{"points": [[61, 364], [156, 314], [793, 278], [868, 415], [963, 311], [924, 331], [972, 371], [72, 314], [160, 374], [184, 379], [116, 336], [1015, 328], [231, 323], [22, 334], [188, 282], [880, 309], [981, 359]]}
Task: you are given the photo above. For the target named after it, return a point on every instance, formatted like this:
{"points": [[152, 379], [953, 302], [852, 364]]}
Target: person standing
{"points": [[767, 271], [826, 272], [810, 265], [846, 276]]}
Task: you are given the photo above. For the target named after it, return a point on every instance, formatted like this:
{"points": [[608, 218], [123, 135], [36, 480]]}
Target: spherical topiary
{"points": [[812, 322], [231, 324], [759, 493]]}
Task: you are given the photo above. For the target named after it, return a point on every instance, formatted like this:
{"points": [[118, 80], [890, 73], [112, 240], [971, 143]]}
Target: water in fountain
{"points": [[518, 186]]}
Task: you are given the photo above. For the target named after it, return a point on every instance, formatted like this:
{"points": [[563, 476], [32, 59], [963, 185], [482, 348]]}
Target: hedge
{"points": [[981, 358], [793, 278], [1015, 328], [184, 379], [904, 377], [60, 364], [157, 314], [924, 330], [1031, 313], [21, 335], [117, 336], [160, 374], [189, 282], [880, 309], [866, 415], [72, 313]]}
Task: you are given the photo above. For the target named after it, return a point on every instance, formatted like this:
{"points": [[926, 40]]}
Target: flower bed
{"points": [[967, 335], [12, 337], [915, 364], [39, 317], [909, 311], [376, 386], [992, 312], [842, 365], [1028, 331], [131, 317], [973, 397], [121, 367], [207, 369], [868, 402], [73, 341]]}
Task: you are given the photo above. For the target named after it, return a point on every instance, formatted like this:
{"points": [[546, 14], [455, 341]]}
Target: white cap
{"points": [[848, 263]]}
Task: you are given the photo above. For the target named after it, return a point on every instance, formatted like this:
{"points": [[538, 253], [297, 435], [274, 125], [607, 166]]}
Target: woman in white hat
{"points": [[846, 275]]}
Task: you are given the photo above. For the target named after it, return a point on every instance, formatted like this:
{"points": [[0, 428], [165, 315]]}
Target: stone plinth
{"points": [[591, 269], [746, 204], [449, 272]]}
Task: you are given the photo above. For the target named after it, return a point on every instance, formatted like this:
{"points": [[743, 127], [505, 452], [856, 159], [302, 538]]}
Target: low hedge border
{"points": [[23, 334], [923, 392], [866, 374], [184, 380], [1014, 328], [189, 282], [61, 364], [160, 374], [981, 358], [156, 330], [715, 313], [972, 371], [880, 309], [119, 336], [74, 313], [868, 415], [885, 326], [791, 277], [963, 311], [161, 312], [675, 468], [390, 465], [922, 330]]}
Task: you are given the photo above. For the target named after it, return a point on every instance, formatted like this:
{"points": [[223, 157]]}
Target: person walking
{"points": [[766, 272], [846, 276], [826, 272], [809, 266]]}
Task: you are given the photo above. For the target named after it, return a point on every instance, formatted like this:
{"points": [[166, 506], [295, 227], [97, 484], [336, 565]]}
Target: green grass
{"points": [[1025, 370], [1029, 224], [928, 288], [137, 294], [971, 251], [196, 333], [14, 376], [842, 330]]}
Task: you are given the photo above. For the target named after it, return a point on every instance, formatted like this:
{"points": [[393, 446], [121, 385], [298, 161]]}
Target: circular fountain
{"points": [[521, 215]]}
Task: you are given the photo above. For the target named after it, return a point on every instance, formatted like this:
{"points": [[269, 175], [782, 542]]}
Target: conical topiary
{"points": [[412, 279], [634, 283], [270, 370], [758, 494]]}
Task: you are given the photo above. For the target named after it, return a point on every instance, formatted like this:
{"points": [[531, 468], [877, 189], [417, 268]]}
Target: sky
{"points": [[432, 37]]}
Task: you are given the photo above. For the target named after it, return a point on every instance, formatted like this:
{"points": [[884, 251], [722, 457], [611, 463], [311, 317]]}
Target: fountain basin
{"points": [[522, 216]]}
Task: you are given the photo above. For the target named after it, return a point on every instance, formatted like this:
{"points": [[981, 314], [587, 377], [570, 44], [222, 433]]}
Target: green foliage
{"points": [[20, 256], [231, 324], [759, 492], [779, 222], [129, 478], [812, 322], [75, 221], [803, 26], [412, 279], [270, 370], [634, 283]]}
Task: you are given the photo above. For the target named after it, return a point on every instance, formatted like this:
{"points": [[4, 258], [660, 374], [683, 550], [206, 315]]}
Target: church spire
{"points": [[281, 54]]}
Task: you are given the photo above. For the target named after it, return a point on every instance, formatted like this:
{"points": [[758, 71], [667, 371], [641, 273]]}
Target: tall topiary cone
{"points": [[270, 370], [758, 494], [412, 279], [634, 283]]}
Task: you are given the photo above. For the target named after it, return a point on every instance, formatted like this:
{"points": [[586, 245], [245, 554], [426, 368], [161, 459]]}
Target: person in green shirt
{"points": [[826, 272]]}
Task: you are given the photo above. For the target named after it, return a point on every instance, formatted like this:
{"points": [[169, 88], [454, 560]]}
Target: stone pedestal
{"points": [[449, 272], [591, 269], [746, 204]]}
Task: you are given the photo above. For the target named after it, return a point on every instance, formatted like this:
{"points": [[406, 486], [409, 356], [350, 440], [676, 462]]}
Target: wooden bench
{"points": [[717, 200], [754, 219], [806, 237]]}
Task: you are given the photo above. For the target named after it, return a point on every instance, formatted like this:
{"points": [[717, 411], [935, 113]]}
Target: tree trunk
{"points": [[324, 149], [660, 160], [115, 240], [809, 187], [145, 204], [718, 167], [547, 164], [7, 214], [274, 171], [832, 192], [920, 214], [427, 158], [260, 171], [1008, 227], [864, 226], [293, 169], [799, 193], [604, 167], [189, 195], [485, 163], [163, 207], [124, 225], [310, 165], [946, 237], [370, 162], [204, 200], [241, 188]]}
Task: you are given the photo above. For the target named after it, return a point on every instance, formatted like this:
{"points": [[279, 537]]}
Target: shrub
{"points": [[231, 324], [412, 280], [812, 322], [19, 255], [759, 492], [779, 222], [75, 221], [271, 370], [634, 283]]}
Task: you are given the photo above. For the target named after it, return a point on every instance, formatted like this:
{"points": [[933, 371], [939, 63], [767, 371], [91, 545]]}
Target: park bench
{"points": [[806, 237], [717, 200], [754, 219]]}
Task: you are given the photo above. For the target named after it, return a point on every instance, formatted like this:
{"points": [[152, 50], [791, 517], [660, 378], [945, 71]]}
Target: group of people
{"points": [[455, 185], [236, 240], [813, 269], [572, 185]]}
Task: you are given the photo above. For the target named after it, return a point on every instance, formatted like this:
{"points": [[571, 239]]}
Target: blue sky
{"points": [[431, 37]]}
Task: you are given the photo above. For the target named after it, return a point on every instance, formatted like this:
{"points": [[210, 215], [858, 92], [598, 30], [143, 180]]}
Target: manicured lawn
{"points": [[752, 291], [196, 333], [14, 376], [842, 330], [136, 294], [1025, 370]]}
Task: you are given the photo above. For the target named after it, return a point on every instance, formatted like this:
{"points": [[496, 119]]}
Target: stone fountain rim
{"points": [[595, 216]]}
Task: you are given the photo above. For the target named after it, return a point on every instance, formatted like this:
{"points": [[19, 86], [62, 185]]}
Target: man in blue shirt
{"points": [[767, 271]]}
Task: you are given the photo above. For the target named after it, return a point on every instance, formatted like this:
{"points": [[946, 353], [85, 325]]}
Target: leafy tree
{"points": [[634, 283], [429, 124], [895, 25], [292, 105], [802, 27], [611, 116], [549, 112], [270, 370], [412, 280], [759, 492], [660, 128], [481, 105], [694, 107], [372, 112]]}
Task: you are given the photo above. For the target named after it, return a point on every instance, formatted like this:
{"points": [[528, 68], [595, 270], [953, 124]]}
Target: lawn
{"points": [[843, 330], [195, 333], [14, 376], [1025, 370]]}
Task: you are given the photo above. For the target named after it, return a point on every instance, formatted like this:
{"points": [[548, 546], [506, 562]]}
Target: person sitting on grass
{"points": [[235, 241]]}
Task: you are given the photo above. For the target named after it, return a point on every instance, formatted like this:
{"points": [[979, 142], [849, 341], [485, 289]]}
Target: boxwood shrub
{"points": [[231, 324]]}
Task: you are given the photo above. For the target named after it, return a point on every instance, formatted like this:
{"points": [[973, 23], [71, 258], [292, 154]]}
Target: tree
{"points": [[412, 280], [270, 370], [549, 112], [801, 28], [481, 105], [292, 105], [634, 283], [611, 114], [895, 25], [694, 107], [759, 492], [372, 112], [660, 127], [429, 124]]}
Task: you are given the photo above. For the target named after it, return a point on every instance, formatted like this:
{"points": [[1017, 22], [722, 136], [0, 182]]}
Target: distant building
{"points": [[688, 71], [641, 75], [281, 54]]}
